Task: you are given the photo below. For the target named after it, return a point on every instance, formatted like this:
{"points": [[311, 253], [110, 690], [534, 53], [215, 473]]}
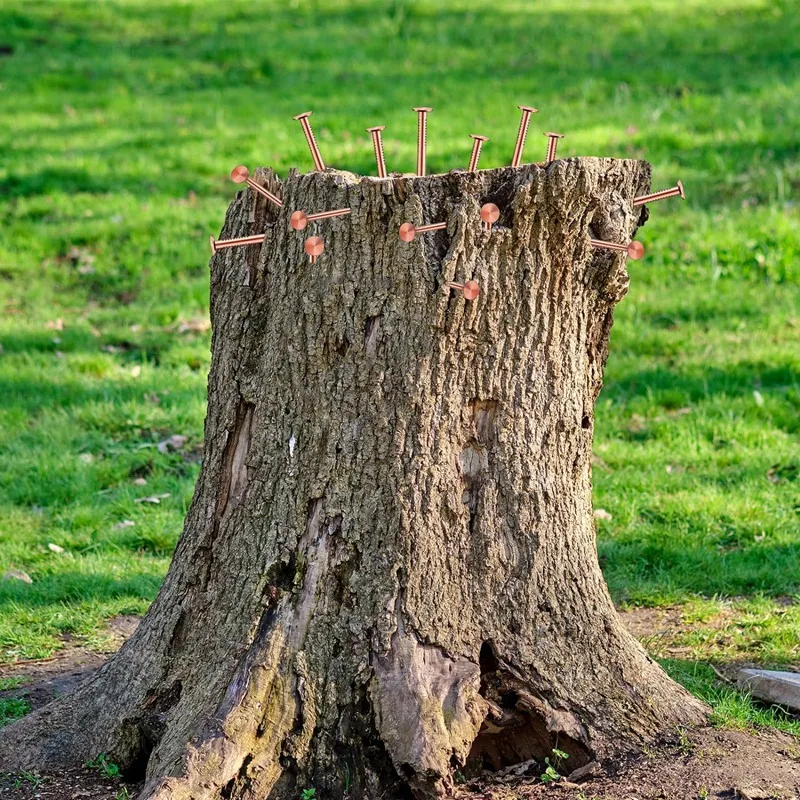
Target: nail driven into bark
{"points": [[634, 250], [388, 574], [524, 121], [552, 146], [470, 289], [314, 246], [377, 144], [490, 213], [676, 191], [222, 244], [241, 174], [408, 231], [319, 164], [422, 138], [476, 151], [300, 219]]}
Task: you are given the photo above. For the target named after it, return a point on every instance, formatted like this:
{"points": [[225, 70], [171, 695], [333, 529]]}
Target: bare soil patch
{"points": [[703, 763]]}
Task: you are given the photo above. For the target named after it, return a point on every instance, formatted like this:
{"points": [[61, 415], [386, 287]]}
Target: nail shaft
{"points": [[319, 164], [470, 289], [552, 145], [522, 133], [241, 174], [635, 250], [649, 198], [377, 144], [435, 226], [476, 151], [422, 138], [300, 219], [243, 240], [408, 230], [339, 212]]}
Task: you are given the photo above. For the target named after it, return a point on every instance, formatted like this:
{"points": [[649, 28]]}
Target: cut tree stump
{"points": [[388, 573]]}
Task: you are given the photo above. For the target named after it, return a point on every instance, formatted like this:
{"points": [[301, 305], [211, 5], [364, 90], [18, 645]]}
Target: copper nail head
{"points": [[635, 250], [314, 246], [422, 108], [240, 174], [303, 115], [213, 242], [376, 128], [530, 109], [299, 220], [479, 138], [407, 232], [680, 187], [555, 135], [490, 213], [471, 290]]}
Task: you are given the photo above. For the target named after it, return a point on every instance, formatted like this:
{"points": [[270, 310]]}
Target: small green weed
{"points": [[551, 772], [308, 794], [105, 767]]}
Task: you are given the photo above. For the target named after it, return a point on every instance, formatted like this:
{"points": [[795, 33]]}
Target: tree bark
{"points": [[388, 572]]}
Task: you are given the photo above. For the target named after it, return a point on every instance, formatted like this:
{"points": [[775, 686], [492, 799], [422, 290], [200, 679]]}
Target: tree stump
{"points": [[388, 573]]}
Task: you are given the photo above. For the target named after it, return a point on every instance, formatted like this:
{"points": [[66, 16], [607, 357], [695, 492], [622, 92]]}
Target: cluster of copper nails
{"points": [[314, 246]]}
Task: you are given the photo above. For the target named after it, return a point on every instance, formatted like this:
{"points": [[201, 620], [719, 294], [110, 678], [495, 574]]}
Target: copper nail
{"points": [[470, 289], [422, 137], [408, 230], [300, 219], [377, 144], [476, 151], [552, 144], [221, 244], [635, 250], [649, 198], [489, 213], [241, 174], [319, 164], [523, 132], [314, 247]]}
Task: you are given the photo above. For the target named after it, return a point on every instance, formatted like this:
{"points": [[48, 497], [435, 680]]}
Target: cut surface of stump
{"points": [[388, 573]]}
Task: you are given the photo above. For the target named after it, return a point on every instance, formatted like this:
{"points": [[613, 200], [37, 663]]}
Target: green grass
{"points": [[120, 123]]}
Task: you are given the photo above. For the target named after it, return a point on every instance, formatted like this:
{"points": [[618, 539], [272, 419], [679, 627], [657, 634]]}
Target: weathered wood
{"points": [[388, 572]]}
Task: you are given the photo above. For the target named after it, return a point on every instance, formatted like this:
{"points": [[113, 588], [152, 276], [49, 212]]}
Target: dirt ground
{"points": [[703, 763]]}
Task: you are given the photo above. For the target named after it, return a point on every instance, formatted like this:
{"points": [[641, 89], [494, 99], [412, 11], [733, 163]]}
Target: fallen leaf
{"points": [[175, 442], [601, 513], [87, 458], [125, 523], [758, 397], [153, 498], [136, 371], [197, 325], [140, 481], [54, 324], [759, 537], [17, 575], [55, 548]]}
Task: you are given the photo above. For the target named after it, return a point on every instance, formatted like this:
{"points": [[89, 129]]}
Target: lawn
{"points": [[120, 123]]}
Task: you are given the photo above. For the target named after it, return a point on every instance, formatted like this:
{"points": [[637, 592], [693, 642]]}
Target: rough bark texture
{"points": [[388, 573]]}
